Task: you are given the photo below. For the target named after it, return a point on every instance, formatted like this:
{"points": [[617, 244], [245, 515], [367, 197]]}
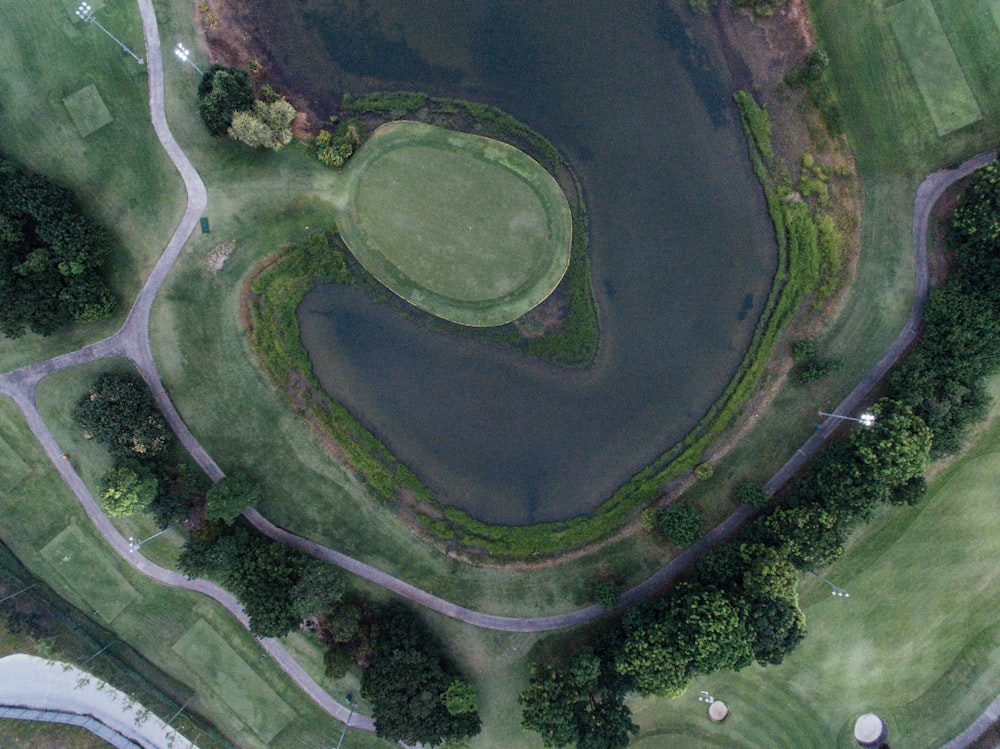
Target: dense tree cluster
{"points": [[414, 698], [582, 704], [118, 411], [52, 257], [278, 586], [943, 380]]}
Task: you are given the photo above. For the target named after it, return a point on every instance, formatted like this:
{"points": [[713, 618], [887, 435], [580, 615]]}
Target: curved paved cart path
{"points": [[132, 342]]}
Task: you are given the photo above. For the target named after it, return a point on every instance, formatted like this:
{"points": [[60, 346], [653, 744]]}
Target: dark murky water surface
{"points": [[683, 252]]}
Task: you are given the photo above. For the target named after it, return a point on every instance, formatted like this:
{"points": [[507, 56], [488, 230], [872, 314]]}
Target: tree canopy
{"points": [[407, 683], [264, 125], [227, 498], [222, 92], [128, 488], [52, 257], [119, 411]]}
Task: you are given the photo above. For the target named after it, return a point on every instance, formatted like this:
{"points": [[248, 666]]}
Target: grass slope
{"points": [[467, 228]]}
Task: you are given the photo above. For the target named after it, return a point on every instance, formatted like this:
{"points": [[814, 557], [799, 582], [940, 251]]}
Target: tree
{"points": [[52, 257], [460, 697], [119, 411], [895, 450], [680, 524], [343, 622], [221, 92], [808, 535], [318, 590], [406, 683], [227, 498], [266, 125], [581, 705], [128, 488]]}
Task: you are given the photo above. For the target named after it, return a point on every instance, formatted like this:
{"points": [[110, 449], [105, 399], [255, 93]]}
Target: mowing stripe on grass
{"points": [[933, 64], [13, 470], [90, 573], [231, 680]]}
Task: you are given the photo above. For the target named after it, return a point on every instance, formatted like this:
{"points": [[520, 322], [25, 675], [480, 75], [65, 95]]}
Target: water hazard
{"points": [[637, 94]]}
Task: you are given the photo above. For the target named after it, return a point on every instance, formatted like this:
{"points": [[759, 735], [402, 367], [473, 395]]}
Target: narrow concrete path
{"points": [[132, 342]]}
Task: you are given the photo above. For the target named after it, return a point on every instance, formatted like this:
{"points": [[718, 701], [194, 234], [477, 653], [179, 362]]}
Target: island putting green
{"points": [[461, 226]]}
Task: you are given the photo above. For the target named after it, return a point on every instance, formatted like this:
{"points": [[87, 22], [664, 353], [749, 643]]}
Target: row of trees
{"points": [[52, 257]]}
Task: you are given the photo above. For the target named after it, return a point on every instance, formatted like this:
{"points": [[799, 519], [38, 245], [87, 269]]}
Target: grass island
{"points": [[464, 227]]}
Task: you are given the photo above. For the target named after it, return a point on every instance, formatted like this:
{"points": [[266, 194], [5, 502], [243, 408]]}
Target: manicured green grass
{"points": [[467, 228], [119, 173], [934, 65], [918, 641], [228, 677], [87, 110], [94, 577], [41, 506]]}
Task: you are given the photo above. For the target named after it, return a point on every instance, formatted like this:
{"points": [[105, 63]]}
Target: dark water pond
{"points": [[638, 95]]}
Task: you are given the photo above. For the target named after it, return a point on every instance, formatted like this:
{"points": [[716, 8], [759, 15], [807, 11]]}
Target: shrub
{"points": [[803, 351], [681, 524], [650, 518], [704, 471], [751, 494], [606, 594]]}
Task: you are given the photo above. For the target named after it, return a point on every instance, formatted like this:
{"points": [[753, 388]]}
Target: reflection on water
{"points": [[683, 252]]}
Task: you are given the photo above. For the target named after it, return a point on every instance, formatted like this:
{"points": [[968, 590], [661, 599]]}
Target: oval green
{"points": [[464, 227]]}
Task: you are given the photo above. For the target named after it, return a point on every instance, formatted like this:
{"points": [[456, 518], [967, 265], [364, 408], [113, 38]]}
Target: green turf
{"points": [[88, 110], [227, 675], [90, 572], [467, 228], [119, 172], [934, 66]]}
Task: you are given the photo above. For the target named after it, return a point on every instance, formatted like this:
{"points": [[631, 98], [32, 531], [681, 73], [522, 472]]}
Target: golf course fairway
{"points": [[464, 227]]}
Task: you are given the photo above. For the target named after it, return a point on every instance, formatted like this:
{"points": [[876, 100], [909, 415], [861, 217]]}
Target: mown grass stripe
{"points": [[229, 677], [90, 573], [934, 66]]}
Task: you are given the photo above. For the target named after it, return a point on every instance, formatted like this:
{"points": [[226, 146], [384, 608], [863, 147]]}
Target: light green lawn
{"points": [[119, 173], [467, 228], [917, 642], [934, 66]]}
